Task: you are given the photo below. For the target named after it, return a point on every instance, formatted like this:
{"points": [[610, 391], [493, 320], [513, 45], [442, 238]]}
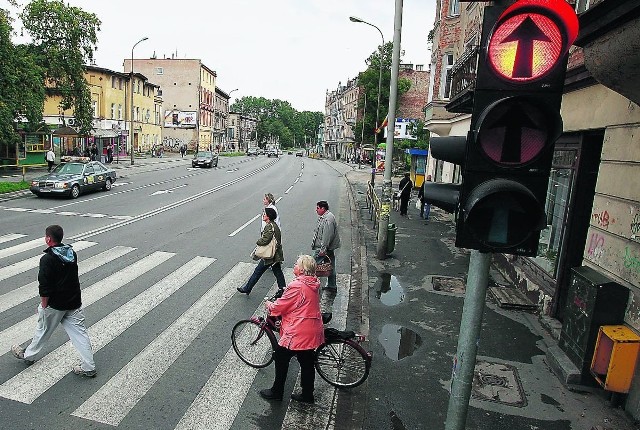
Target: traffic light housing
{"points": [[514, 124], [452, 149]]}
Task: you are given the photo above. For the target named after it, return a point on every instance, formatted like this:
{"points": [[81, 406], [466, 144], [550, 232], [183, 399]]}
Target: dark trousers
{"points": [[331, 281], [282, 357], [50, 163], [260, 269], [404, 202]]}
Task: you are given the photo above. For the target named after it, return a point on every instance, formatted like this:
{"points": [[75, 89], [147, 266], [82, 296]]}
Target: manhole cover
{"points": [[450, 285], [499, 383]]}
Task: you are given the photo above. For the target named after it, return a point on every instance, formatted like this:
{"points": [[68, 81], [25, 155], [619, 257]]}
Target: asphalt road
{"points": [[161, 255]]}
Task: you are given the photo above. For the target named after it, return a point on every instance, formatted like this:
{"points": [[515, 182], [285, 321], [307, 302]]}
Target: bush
{"points": [[8, 187]]}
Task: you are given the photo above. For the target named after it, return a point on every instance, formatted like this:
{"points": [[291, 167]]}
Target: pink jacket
{"points": [[299, 308]]}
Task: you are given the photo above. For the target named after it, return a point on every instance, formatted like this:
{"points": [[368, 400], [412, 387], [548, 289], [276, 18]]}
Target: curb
{"points": [[14, 195]]}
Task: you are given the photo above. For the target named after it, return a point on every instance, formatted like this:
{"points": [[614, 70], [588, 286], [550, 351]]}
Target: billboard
{"points": [[180, 119], [404, 128]]}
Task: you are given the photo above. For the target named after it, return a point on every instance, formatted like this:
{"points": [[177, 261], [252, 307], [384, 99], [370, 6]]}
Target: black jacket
{"points": [[405, 187], [58, 278]]}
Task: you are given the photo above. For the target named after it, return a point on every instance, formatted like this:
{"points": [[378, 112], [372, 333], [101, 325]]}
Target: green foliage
{"points": [[64, 39], [8, 187], [231, 154], [278, 120]]}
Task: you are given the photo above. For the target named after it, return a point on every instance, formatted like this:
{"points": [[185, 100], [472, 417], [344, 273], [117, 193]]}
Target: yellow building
{"points": [[112, 114]]}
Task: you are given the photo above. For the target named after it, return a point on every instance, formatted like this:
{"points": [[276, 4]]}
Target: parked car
{"points": [[300, 154], [252, 151], [272, 153], [73, 178], [260, 151], [205, 159]]}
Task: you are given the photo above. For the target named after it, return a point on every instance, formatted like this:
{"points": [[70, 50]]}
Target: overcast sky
{"points": [[292, 50]]}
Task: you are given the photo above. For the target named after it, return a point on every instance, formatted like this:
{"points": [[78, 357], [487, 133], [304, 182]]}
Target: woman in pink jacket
{"points": [[301, 331]]}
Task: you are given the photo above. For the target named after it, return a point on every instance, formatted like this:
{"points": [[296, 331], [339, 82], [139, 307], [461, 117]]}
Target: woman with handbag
{"points": [[269, 253]]}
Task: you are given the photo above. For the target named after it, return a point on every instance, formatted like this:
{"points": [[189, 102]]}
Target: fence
{"points": [[373, 205]]}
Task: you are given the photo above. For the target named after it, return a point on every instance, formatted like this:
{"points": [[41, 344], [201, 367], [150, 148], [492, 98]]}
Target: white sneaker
{"points": [[88, 373]]}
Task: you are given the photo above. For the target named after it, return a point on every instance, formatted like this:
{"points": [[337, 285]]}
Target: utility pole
{"points": [[383, 223]]}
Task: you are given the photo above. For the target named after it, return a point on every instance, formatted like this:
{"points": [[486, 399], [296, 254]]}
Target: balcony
{"points": [[463, 82]]}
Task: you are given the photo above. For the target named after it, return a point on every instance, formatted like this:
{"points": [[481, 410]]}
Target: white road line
{"points": [[35, 380], [26, 292], [35, 243], [42, 211], [16, 209], [278, 199], [244, 225], [10, 237], [320, 414], [288, 189], [114, 400], [30, 263], [225, 390], [23, 331], [297, 179], [121, 217]]}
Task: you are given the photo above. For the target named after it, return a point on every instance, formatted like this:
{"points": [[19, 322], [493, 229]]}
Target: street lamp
{"points": [[131, 118], [225, 131], [375, 136]]}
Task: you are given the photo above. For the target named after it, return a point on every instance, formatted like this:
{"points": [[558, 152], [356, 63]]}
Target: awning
{"points": [[65, 131], [104, 132]]}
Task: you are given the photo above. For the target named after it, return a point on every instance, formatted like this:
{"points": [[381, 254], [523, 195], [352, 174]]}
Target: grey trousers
{"points": [[73, 323]]}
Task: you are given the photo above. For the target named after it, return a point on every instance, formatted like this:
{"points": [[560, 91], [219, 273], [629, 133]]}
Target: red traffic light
{"points": [[530, 38]]}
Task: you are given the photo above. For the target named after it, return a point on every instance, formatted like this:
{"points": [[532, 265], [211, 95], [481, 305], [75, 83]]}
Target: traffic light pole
{"points": [[464, 361], [385, 207]]}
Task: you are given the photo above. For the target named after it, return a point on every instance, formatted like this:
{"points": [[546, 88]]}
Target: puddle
{"points": [[390, 292], [399, 342]]}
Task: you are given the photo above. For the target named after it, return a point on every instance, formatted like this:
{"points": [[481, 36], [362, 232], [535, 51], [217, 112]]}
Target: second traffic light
{"points": [[514, 124]]}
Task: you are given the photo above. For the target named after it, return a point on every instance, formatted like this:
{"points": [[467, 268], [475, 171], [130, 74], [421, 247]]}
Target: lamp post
{"points": [[375, 136], [226, 135], [131, 118]]}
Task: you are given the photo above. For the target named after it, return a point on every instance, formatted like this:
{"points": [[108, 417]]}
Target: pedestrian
{"points": [[301, 330], [270, 232], [50, 156], [425, 206], [110, 153], [405, 188], [270, 202], [326, 240], [182, 151], [60, 303]]}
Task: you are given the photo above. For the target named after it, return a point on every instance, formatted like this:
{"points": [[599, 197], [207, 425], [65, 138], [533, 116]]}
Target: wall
{"points": [[412, 103]]}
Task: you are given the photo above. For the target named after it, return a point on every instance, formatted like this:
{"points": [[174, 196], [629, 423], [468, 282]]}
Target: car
{"points": [[74, 177], [252, 151], [290, 152], [205, 159], [272, 153], [260, 151], [300, 154]]}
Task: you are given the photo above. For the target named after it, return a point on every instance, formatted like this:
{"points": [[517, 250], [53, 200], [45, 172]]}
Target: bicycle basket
{"points": [[324, 268]]}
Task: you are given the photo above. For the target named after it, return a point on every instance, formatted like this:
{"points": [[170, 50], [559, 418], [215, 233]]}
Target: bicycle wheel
{"points": [[342, 363], [253, 343]]}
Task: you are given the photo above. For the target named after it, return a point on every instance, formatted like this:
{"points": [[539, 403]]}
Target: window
{"points": [[119, 111], [159, 71], [113, 110], [137, 109], [113, 82], [454, 7], [582, 5], [445, 80]]}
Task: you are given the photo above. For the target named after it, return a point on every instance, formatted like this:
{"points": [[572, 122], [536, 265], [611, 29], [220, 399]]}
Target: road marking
{"points": [[35, 380], [42, 211], [114, 400], [16, 209], [23, 331], [288, 189], [30, 263], [26, 246], [10, 237], [226, 388], [244, 225], [26, 292], [169, 190]]}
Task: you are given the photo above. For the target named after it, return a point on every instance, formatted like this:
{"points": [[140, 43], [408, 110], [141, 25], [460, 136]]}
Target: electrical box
{"points": [[614, 358]]}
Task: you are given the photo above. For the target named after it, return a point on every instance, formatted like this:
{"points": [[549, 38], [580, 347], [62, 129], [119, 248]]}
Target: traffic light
{"points": [[514, 125], [451, 149]]}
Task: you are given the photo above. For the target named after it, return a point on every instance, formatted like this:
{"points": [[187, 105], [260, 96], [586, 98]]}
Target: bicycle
{"points": [[340, 360]]}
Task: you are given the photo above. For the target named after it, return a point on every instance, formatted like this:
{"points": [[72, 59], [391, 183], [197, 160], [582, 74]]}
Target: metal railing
{"points": [[373, 205], [463, 73]]}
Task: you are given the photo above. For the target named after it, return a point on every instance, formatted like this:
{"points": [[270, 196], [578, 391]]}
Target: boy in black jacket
{"points": [[60, 303]]}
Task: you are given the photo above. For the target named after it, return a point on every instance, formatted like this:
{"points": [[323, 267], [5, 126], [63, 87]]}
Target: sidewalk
{"points": [[415, 306]]}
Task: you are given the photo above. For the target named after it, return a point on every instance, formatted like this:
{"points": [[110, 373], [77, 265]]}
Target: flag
{"points": [[383, 125]]}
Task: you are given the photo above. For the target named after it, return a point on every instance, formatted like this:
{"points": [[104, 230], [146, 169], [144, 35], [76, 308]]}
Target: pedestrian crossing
{"points": [[66, 213], [115, 398]]}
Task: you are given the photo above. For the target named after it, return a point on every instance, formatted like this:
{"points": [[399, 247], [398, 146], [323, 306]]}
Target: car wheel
{"points": [[75, 192], [211, 165], [107, 185]]}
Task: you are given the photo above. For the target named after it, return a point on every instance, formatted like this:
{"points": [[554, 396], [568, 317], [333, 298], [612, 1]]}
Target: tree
{"points": [[21, 89], [64, 39]]}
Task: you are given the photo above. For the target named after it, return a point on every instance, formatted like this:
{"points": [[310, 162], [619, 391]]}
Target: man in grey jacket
{"points": [[326, 240]]}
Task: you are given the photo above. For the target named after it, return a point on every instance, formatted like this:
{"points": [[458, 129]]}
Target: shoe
{"points": [[88, 373], [301, 398], [18, 352], [267, 394], [242, 290]]}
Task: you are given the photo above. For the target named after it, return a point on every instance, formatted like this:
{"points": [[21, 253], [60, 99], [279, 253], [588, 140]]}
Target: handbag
{"points": [[267, 251], [324, 267]]}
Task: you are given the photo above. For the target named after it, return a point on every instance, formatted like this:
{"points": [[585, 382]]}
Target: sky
{"points": [[293, 50]]}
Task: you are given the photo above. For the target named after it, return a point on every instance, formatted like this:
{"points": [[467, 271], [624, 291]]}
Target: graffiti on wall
{"points": [[602, 219], [171, 143], [595, 248]]}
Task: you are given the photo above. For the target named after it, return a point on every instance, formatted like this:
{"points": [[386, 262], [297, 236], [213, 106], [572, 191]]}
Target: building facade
{"points": [[242, 132], [220, 118], [188, 100], [593, 200], [412, 103], [341, 114]]}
